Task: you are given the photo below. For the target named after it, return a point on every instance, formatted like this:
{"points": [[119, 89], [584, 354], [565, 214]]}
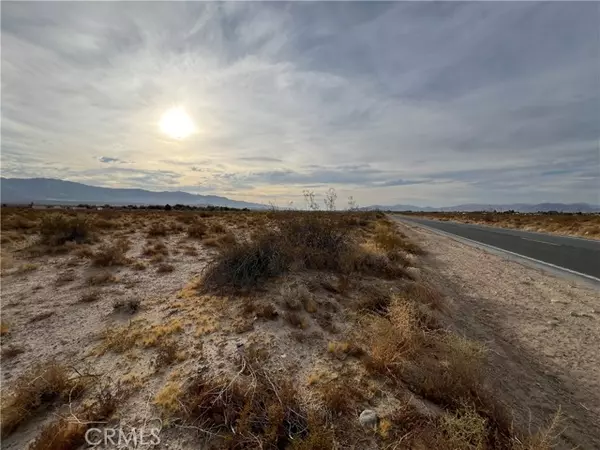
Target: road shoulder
{"points": [[542, 331]]}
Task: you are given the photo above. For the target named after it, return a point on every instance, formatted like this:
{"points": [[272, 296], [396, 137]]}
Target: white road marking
{"points": [[498, 249], [543, 242]]}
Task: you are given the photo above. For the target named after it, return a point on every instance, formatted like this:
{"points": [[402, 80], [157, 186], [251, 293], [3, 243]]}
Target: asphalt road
{"points": [[579, 255]]}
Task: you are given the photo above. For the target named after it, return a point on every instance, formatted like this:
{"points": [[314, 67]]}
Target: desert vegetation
{"points": [[237, 329], [572, 224]]}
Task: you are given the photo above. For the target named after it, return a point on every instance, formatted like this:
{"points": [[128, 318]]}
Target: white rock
{"points": [[368, 418]]}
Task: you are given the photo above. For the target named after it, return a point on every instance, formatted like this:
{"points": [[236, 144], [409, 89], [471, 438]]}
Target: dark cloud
{"points": [[109, 160]]}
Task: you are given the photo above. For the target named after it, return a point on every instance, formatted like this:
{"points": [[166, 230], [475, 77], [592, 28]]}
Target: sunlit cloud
{"points": [[408, 102]]}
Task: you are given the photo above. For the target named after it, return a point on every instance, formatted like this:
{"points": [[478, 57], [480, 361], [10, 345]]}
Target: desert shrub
{"points": [[130, 306], [309, 241], [112, 254], [157, 229], [197, 230], [40, 385], [67, 434], [57, 229], [237, 415], [165, 268], [245, 264]]}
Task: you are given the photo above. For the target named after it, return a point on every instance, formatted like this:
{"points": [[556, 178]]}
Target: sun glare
{"points": [[176, 123]]}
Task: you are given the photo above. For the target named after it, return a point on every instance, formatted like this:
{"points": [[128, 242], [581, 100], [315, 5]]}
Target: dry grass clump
{"points": [[157, 229], [57, 229], [392, 241], [239, 414], [165, 268], [155, 249], [69, 433], [112, 254], [130, 306], [101, 278], [393, 339], [42, 384], [137, 334], [197, 230]]}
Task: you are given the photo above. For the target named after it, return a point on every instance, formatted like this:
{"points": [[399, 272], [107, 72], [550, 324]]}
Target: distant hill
{"points": [[50, 191], [519, 207]]}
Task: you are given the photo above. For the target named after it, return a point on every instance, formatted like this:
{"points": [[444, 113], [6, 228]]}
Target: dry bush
{"points": [[56, 229], [424, 293], [217, 228], [197, 230], [239, 415], [165, 268], [296, 320], [84, 251], [391, 340], [112, 254], [130, 306], [246, 264], [167, 352], [301, 240], [101, 278], [43, 384], [157, 229], [69, 434], [154, 249]]}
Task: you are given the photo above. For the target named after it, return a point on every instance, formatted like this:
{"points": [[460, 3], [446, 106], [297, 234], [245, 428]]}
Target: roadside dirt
{"points": [[542, 332]]}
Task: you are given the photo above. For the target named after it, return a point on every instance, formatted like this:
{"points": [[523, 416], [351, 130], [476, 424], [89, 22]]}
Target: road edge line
{"points": [[588, 278]]}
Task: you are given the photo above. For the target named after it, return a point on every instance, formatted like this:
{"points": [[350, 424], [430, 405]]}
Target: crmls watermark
{"points": [[122, 438]]}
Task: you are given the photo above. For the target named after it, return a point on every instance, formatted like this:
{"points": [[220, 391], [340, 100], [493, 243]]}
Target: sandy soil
{"points": [[543, 334]]}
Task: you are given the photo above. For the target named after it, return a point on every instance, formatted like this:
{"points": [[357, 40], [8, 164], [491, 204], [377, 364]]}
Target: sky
{"points": [[392, 103]]}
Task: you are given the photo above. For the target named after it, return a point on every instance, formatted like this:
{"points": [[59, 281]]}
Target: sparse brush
{"points": [[167, 352], [165, 268], [130, 306], [391, 340], [41, 385], [101, 278], [65, 277], [112, 254], [197, 230], [245, 264], [57, 229], [69, 434], [157, 229], [234, 415]]}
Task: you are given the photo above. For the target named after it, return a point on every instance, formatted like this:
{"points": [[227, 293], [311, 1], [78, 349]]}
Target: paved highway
{"points": [[575, 254]]}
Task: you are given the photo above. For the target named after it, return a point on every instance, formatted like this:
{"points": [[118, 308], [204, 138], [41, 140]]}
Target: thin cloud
{"points": [[403, 102]]}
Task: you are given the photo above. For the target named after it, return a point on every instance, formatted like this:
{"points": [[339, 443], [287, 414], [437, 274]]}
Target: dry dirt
{"points": [[543, 333]]}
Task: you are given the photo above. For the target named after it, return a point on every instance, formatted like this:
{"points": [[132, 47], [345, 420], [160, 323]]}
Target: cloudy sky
{"points": [[421, 103]]}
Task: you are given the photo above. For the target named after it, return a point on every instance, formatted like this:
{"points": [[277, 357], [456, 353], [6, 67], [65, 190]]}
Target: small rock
{"points": [[553, 322], [368, 418]]}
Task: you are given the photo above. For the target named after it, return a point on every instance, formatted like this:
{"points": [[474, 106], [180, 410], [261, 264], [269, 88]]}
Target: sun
{"points": [[176, 123]]}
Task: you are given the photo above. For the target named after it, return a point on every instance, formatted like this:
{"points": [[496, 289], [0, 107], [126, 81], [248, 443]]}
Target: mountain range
{"points": [[50, 191], [518, 207]]}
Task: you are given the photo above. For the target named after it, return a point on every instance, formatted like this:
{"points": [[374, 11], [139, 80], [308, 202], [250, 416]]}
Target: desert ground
{"points": [[568, 224], [285, 329]]}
